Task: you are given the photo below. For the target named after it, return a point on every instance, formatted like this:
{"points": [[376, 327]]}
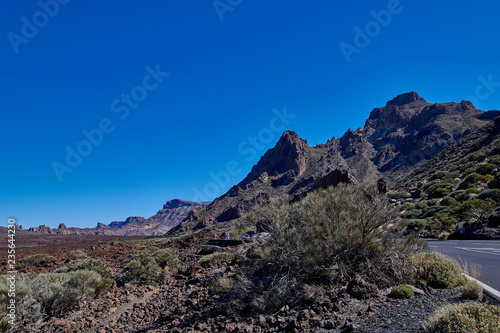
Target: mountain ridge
{"points": [[396, 137]]}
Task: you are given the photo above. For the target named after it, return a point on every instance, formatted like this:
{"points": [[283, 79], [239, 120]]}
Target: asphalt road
{"points": [[484, 253]]}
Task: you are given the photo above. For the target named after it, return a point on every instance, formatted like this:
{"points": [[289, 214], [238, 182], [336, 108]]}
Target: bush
{"points": [[486, 168], [87, 265], [438, 270], [328, 238], [467, 317], [495, 159], [220, 284], [449, 201], [58, 293], [22, 291], [35, 261], [471, 290], [470, 180], [460, 195], [495, 183], [439, 175], [490, 194], [148, 266], [439, 190], [477, 156], [402, 291], [214, 258], [475, 209], [416, 223]]}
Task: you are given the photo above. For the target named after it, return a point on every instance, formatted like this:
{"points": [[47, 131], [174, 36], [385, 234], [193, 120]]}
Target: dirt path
{"points": [[113, 317]]}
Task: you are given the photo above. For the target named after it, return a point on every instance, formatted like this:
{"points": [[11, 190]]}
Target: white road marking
{"points": [[481, 250]]}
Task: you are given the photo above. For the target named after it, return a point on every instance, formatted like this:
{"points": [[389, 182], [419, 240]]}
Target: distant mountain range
{"points": [[166, 218]]}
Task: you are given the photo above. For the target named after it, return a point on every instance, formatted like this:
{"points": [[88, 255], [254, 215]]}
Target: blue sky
{"points": [[239, 73]]}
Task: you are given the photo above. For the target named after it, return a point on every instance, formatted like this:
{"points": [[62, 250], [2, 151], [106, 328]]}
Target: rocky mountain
{"points": [[395, 138], [166, 218]]}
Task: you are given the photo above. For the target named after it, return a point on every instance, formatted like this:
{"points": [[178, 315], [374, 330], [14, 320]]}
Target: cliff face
{"points": [[166, 218], [395, 138]]}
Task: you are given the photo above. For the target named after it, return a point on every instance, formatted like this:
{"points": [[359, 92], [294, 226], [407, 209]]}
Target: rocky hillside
{"points": [[396, 137], [168, 217], [460, 184]]}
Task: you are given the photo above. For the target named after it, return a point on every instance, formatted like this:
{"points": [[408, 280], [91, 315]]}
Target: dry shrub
{"points": [[438, 270], [327, 238], [464, 318]]}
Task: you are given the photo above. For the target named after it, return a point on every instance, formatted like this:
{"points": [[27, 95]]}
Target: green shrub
{"points": [[438, 270], [477, 156], [87, 265], [58, 293], [439, 175], [493, 194], [412, 213], [148, 266], [22, 291], [486, 168], [466, 317], [449, 201], [495, 159], [439, 190], [214, 258], [495, 183], [470, 180], [35, 261], [471, 290], [416, 223], [475, 209], [402, 291], [422, 283], [460, 195]]}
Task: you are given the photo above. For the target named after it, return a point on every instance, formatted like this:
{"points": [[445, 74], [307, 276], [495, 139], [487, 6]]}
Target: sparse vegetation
{"points": [[220, 284], [35, 261], [214, 258], [467, 317]]}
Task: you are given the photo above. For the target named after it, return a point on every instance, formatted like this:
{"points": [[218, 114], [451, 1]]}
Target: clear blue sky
{"points": [[74, 69]]}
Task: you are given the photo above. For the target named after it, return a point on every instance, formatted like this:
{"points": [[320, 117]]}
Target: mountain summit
{"points": [[406, 98]]}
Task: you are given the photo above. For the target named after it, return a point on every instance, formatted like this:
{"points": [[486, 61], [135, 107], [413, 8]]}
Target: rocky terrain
{"points": [[395, 138], [166, 218], [186, 302]]}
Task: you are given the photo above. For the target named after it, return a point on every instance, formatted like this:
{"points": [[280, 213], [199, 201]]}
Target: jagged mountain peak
{"points": [[406, 98]]}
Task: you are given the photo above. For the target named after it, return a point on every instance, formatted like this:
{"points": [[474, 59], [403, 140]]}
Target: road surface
{"points": [[484, 253]]}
